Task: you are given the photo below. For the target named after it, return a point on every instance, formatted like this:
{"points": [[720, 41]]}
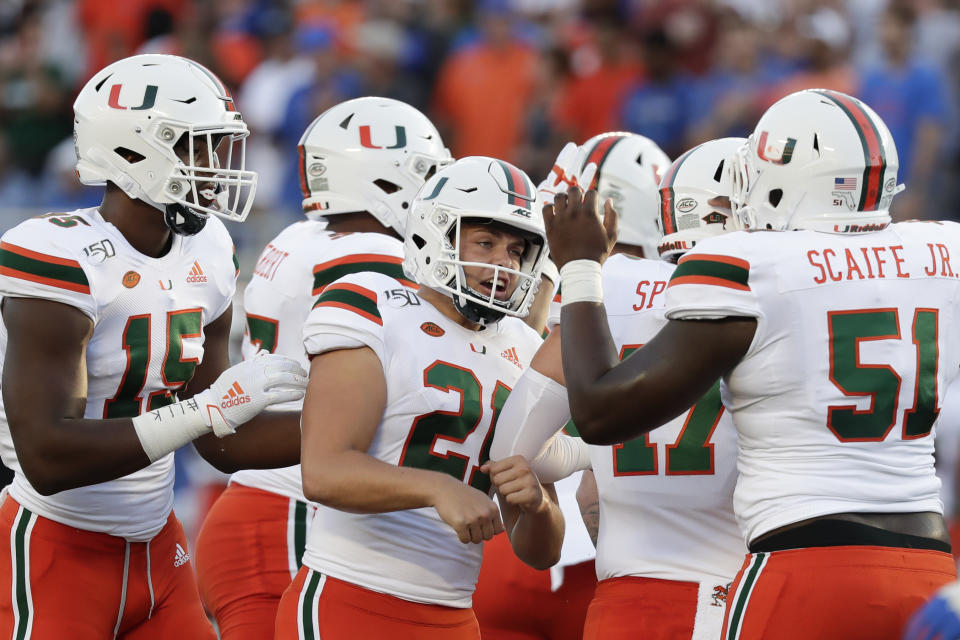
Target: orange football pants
{"points": [[514, 602], [249, 549], [650, 608], [63, 582], [317, 607], [832, 593]]}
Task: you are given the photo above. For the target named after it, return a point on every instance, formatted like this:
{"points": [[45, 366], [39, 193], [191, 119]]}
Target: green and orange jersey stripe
{"points": [[53, 271], [712, 269], [236, 263], [599, 154], [668, 212], [352, 297], [874, 155], [519, 186], [327, 272]]}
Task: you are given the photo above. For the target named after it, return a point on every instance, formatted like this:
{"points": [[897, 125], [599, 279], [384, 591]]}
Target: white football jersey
{"points": [[947, 443], [445, 386], [291, 272], [148, 316], [854, 349], [666, 498]]}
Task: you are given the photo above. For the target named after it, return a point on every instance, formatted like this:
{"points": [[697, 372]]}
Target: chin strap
{"points": [[476, 312], [182, 221]]}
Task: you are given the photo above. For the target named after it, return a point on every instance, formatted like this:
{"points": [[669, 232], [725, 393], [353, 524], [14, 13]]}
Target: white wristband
{"points": [[582, 282], [166, 429]]}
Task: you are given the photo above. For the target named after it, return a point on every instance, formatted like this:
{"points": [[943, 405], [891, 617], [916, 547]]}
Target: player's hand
{"points": [[247, 388], [575, 230], [939, 618], [471, 512], [516, 482]]}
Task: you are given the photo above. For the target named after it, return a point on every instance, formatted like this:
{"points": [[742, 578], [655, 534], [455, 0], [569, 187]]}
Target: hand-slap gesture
{"points": [[574, 228]]}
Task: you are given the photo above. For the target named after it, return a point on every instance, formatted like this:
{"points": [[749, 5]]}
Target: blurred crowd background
{"points": [[515, 79]]}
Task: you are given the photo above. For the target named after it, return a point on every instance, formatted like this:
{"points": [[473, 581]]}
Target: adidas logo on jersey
{"points": [[235, 396], [511, 356], [196, 273], [181, 557]]}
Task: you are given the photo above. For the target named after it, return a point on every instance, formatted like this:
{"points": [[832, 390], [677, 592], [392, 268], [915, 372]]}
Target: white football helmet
{"points": [[479, 188], [818, 159], [686, 189], [368, 154], [629, 167], [129, 117]]}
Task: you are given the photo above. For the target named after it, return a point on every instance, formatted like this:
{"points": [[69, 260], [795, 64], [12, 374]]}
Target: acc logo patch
{"points": [[432, 329], [131, 279], [889, 185], [686, 204]]}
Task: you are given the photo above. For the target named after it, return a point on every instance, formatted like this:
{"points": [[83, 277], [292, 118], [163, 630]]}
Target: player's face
{"points": [[491, 245], [201, 156]]}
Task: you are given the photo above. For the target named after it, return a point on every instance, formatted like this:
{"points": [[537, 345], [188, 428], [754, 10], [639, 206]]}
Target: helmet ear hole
{"points": [[418, 240], [775, 196], [129, 155], [386, 186]]}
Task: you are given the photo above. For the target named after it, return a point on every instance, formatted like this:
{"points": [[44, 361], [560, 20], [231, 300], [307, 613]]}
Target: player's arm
{"points": [[531, 513], [45, 387], [610, 401], [268, 441], [588, 499], [535, 411], [345, 401], [44, 395]]}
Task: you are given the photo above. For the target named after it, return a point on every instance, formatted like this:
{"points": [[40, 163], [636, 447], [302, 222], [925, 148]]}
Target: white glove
{"points": [[247, 388], [564, 174]]}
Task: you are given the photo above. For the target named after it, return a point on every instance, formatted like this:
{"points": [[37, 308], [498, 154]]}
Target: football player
{"points": [[111, 315], [831, 328], [513, 600], [399, 415], [361, 164], [668, 545]]}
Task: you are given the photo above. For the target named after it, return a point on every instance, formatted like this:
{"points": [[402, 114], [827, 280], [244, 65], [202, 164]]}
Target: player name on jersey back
{"points": [[852, 353]]}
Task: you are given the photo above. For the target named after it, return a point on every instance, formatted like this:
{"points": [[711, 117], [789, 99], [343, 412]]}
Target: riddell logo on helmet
{"points": [[196, 273], [859, 228], [675, 245], [236, 396]]}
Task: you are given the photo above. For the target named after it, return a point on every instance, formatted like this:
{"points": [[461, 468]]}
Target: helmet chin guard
{"points": [[182, 220]]}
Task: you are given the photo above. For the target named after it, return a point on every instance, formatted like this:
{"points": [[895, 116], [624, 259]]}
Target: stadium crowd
{"points": [[512, 79]]}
